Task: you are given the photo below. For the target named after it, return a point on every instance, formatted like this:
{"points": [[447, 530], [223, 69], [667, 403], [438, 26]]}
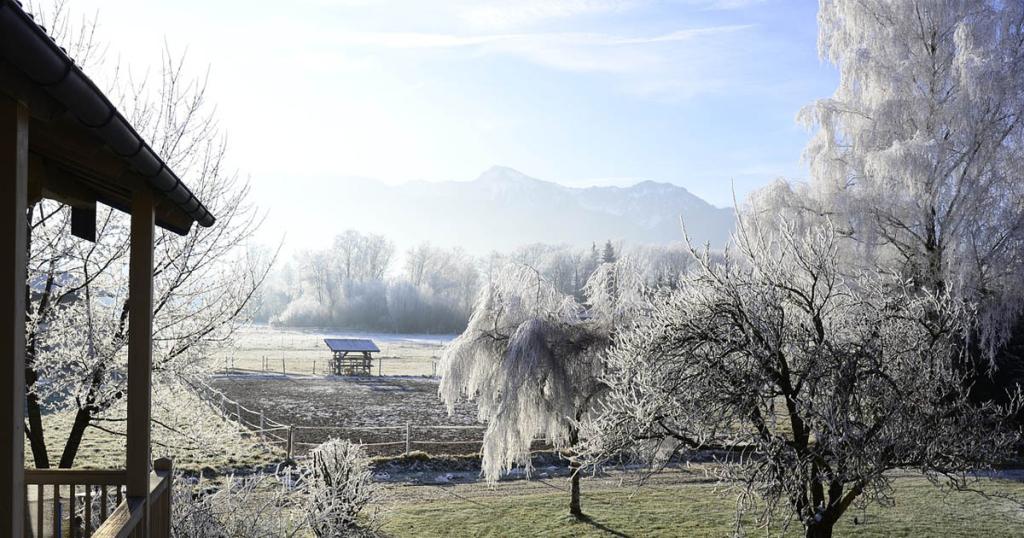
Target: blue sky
{"points": [[701, 93]]}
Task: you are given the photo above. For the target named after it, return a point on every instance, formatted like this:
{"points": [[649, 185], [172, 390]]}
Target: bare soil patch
{"points": [[369, 410]]}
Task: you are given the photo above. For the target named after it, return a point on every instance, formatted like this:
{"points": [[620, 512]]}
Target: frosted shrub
{"points": [[258, 506], [193, 513], [340, 487]]}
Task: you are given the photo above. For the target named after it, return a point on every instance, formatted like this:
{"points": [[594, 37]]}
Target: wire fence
{"points": [[319, 366], [390, 440]]}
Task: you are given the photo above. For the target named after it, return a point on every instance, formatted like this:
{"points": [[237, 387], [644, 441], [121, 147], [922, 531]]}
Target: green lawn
{"points": [[694, 509]]}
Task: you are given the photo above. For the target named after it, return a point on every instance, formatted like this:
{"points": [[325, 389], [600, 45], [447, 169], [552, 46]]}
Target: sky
{"points": [[699, 93]]}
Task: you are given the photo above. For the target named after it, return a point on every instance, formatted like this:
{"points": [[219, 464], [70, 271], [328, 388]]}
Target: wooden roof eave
{"points": [[35, 71], [69, 164]]}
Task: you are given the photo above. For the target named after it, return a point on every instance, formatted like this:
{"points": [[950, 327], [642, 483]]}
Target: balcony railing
{"points": [[73, 503]]}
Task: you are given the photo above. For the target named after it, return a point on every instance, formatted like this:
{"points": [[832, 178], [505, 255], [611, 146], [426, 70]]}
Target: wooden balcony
{"points": [[72, 503]]}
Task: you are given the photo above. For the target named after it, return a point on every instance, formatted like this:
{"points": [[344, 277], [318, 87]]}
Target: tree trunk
{"points": [[819, 530], [574, 491], [574, 479], [34, 432], [82, 419]]}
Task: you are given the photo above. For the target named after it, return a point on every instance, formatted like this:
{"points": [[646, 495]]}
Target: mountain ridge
{"points": [[503, 208]]}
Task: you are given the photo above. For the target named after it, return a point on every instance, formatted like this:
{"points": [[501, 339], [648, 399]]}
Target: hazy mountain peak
{"points": [[504, 174], [504, 208]]}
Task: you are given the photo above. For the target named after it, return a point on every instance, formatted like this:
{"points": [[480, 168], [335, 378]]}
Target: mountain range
{"points": [[503, 209]]}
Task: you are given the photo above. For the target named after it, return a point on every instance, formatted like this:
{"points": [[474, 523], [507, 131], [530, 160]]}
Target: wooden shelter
{"points": [[351, 356], [62, 139]]}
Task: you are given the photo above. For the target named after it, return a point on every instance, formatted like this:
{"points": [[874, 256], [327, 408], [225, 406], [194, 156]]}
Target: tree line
{"points": [[359, 283]]}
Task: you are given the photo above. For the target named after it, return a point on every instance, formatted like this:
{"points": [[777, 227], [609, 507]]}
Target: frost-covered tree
{"points": [[531, 358], [77, 312], [919, 153], [819, 382]]}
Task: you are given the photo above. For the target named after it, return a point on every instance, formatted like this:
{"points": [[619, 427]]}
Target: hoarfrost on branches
{"points": [[530, 359], [820, 383], [204, 283], [919, 153], [339, 488], [263, 505]]}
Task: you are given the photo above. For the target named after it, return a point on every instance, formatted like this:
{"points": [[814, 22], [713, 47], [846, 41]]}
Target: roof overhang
{"points": [[81, 149]]}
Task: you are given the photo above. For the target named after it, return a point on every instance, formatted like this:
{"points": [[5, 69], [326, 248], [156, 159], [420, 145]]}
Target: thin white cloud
{"points": [[506, 14], [661, 63], [723, 4], [424, 40]]}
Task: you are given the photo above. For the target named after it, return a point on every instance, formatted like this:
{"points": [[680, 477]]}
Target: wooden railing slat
{"points": [[88, 511], [56, 510], [72, 528], [103, 503], [123, 519], [40, 503], [78, 476]]}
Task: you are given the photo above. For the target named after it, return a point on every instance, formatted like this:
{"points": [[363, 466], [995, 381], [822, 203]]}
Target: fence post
{"points": [[407, 440], [223, 406], [291, 440], [238, 413], [262, 422]]}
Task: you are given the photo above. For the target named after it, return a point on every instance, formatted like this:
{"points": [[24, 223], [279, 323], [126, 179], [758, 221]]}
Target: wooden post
{"points": [[314, 366], [162, 525], [140, 344], [408, 440], [238, 412], [283, 371], [291, 440], [14, 120], [263, 423]]}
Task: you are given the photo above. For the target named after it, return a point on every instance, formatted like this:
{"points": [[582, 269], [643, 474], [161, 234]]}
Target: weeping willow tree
{"points": [[531, 358]]}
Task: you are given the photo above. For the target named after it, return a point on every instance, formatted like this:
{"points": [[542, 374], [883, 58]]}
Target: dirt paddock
{"points": [[369, 410]]}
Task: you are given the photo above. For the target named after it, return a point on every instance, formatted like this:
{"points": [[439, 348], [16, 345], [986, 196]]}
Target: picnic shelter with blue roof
{"points": [[351, 356]]}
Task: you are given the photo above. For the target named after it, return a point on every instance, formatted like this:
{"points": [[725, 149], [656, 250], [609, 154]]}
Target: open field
{"points": [[262, 348], [682, 503]]}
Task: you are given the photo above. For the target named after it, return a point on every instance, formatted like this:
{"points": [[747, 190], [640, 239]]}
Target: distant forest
{"points": [[358, 284]]}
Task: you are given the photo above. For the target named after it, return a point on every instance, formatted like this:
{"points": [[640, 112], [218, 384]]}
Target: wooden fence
{"points": [[382, 365], [293, 439]]}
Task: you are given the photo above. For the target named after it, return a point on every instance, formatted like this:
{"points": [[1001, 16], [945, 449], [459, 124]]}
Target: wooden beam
{"points": [[140, 342], [14, 122], [83, 222]]}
